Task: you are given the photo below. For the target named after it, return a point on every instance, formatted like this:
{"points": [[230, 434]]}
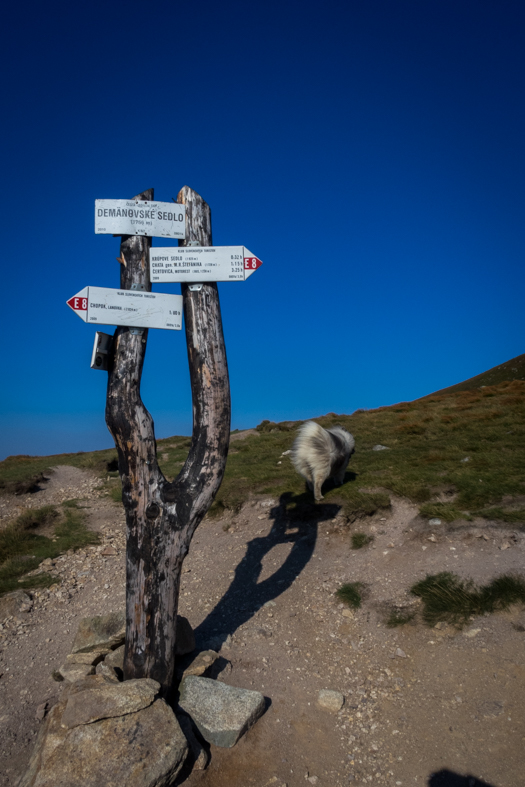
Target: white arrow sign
{"points": [[202, 263], [132, 308], [140, 217]]}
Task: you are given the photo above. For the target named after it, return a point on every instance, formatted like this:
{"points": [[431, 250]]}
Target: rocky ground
{"points": [[422, 706]]}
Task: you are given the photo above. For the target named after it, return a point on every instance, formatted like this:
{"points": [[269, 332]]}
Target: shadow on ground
{"points": [[295, 521], [447, 778]]}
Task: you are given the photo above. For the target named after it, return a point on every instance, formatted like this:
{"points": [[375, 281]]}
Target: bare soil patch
{"points": [[260, 587]]}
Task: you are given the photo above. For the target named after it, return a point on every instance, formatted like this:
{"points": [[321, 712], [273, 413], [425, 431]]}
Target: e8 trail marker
{"points": [[132, 308], [202, 263]]}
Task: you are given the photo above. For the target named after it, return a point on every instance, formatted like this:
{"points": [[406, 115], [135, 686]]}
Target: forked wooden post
{"points": [[162, 516]]}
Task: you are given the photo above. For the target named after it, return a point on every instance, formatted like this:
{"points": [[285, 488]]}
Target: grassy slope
{"points": [[505, 372], [23, 547], [427, 442]]}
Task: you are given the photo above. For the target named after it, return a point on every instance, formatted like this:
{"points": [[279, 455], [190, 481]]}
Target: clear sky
{"points": [[371, 153]]}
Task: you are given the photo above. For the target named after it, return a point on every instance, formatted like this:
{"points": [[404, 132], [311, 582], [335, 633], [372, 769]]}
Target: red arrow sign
{"points": [[252, 263], [77, 303]]}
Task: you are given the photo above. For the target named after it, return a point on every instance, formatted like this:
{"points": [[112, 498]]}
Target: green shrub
{"points": [[360, 540], [350, 594]]}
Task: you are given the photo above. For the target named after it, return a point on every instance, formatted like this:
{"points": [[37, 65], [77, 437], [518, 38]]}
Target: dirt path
{"points": [[261, 588]]}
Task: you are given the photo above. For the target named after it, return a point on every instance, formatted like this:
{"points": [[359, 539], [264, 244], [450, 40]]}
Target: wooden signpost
{"points": [[162, 515]]}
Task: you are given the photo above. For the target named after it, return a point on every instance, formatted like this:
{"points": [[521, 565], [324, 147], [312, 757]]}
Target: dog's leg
{"points": [[318, 482], [340, 477]]}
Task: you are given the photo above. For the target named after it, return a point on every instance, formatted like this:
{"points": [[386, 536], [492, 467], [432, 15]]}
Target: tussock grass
{"points": [[360, 540], [22, 550], [271, 426], [512, 516], [447, 511], [351, 594], [399, 618], [70, 503], [37, 517], [448, 598]]}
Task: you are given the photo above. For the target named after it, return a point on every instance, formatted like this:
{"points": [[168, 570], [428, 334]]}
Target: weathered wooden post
{"points": [[162, 516]]}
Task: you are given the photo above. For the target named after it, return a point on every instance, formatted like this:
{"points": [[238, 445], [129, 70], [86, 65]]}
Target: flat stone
{"points": [[200, 663], [103, 631], [380, 448], [142, 749], [109, 700], [75, 672], [14, 603], [330, 700], [221, 713], [85, 658]]}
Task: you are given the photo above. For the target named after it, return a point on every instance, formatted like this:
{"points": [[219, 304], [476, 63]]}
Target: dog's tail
{"points": [[311, 441]]}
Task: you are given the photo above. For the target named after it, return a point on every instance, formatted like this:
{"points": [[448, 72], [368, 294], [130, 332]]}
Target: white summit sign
{"points": [[132, 308], [202, 264], [140, 217]]}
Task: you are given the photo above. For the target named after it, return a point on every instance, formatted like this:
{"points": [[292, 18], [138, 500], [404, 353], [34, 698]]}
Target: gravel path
{"points": [[260, 588]]}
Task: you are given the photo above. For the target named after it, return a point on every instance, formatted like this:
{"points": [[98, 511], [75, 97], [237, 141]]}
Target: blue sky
{"points": [[370, 153]]}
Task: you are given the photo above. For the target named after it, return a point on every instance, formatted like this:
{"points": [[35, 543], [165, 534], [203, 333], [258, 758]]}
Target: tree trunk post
{"points": [[162, 516]]}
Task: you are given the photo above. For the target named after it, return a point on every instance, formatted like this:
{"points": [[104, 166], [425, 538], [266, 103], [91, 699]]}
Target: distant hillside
{"points": [[505, 372]]}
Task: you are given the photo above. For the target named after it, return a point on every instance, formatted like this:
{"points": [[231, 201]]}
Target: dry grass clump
{"points": [[351, 594], [448, 598], [360, 540]]}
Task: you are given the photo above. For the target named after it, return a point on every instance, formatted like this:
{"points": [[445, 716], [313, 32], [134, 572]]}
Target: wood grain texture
{"points": [[162, 516]]}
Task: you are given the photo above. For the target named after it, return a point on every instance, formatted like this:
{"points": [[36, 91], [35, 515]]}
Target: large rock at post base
{"points": [[80, 665], [107, 700], [221, 713], [104, 632], [142, 748]]}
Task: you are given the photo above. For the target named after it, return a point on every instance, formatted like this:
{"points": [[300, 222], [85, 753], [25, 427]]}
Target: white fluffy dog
{"points": [[319, 454]]}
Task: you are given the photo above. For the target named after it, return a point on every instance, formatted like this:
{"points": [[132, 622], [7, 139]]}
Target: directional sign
{"points": [[202, 263], [140, 217], [133, 308]]}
